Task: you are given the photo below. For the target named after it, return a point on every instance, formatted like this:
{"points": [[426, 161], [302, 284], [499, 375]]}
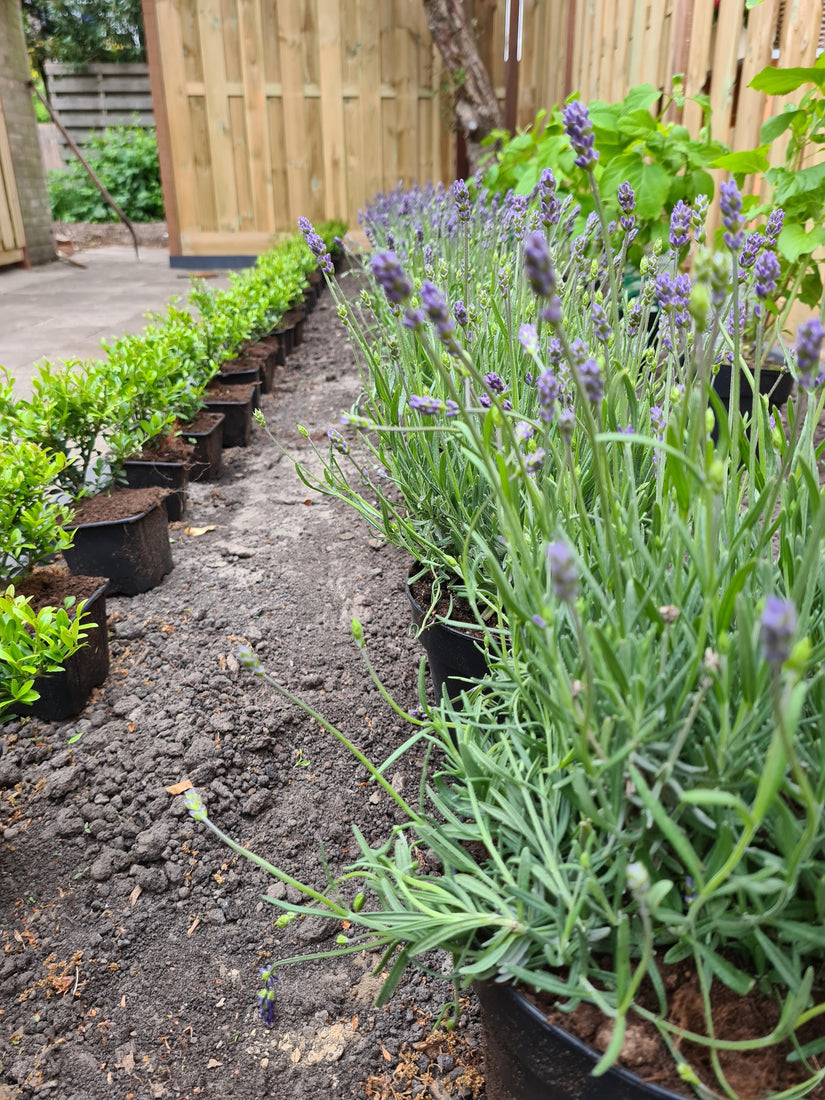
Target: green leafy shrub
{"points": [[33, 643], [31, 519], [126, 160]]}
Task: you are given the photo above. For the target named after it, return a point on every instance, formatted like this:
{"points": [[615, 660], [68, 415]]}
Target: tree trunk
{"points": [[476, 108]]}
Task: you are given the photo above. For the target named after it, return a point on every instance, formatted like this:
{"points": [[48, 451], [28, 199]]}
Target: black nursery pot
{"points": [[774, 384], [173, 476], [65, 694], [134, 553], [236, 403], [527, 1058], [454, 656], [206, 436]]}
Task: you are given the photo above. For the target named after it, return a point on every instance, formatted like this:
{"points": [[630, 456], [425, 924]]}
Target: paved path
{"points": [[60, 311]]}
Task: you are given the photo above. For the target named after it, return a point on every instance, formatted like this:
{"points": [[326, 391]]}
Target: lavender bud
{"points": [[435, 307], [539, 266], [566, 423], [462, 200], [730, 201], [592, 381], [680, 220], [338, 442], [774, 227], [390, 275], [601, 327], [548, 390], [808, 348], [529, 339], [766, 271], [534, 461], [579, 129], [779, 621], [562, 572]]}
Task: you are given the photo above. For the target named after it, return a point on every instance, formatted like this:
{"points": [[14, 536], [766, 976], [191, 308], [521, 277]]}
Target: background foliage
{"points": [[126, 160]]}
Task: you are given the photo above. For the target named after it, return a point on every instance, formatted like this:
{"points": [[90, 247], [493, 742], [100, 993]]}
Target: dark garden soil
{"points": [[131, 939]]}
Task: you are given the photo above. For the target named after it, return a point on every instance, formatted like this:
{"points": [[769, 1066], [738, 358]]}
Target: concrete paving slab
{"points": [[62, 312]]}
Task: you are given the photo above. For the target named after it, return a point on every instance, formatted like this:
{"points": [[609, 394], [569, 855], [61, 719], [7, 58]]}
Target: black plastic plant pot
{"points": [[206, 436], [173, 476], [527, 1058], [65, 694], [134, 553], [455, 656], [247, 376], [285, 336], [236, 403], [774, 384]]}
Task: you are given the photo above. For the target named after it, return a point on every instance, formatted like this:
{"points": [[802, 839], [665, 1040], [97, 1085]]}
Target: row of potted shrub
{"points": [[95, 463], [625, 813]]}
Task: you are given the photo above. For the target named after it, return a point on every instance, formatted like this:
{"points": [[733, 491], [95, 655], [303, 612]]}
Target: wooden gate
{"points": [[12, 237]]}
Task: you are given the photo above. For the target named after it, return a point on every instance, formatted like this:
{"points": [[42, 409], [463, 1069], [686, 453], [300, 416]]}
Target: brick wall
{"points": [[21, 124]]}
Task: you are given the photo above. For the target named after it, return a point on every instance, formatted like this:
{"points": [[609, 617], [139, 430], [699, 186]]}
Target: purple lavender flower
{"points": [[266, 996], [634, 317], [539, 267], [523, 431], [428, 256], [579, 129], [460, 313], [534, 461], [426, 405], [548, 390], [779, 621], [555, 352], [592, 381], [601, 326], [657, 419], [435, 306], [750, 250], [495, 382], [413, 319], [390, 275], [529, 339], [730, 201], [808, 348], [539, 621], [550, 206], [680, 221], [316, 245], [627, 203], [462, 200], [766, 271], [338, 442], [698, 216], [566, 423], [563, 574], [774, 226]]}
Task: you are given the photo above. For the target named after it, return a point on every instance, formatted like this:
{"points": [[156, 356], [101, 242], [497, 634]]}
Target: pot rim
{"points": [[471, 632], [125, 519], [650, 1089]]}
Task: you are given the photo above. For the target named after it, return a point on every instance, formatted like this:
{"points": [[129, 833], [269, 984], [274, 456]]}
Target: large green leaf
{"points": [[754, 160], [773, 127], [642, 96], [782, 81], [795, 242], [650, 183]]}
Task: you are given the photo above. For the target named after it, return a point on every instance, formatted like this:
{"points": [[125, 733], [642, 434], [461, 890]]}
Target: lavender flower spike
{"points": [[435, 306], [730, 201], [388, 272], [680, 221], [539, 266], [779, 620], [579, 129], [808, 349], [562, 571]]}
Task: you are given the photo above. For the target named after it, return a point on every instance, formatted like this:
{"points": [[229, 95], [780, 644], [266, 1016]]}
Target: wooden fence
{"points": [[269, 109], [88, 100], [12, 236]]}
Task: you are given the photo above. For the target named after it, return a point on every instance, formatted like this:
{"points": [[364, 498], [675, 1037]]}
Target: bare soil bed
{"points": [[131, 939]]}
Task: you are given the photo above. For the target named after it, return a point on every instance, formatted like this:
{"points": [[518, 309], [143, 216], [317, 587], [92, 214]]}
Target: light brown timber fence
{"points": [[12, 236], [270, 109]]}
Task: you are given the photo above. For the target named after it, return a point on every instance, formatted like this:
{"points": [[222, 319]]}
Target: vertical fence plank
{"points": [[292, 77], [369, 88], [750, 108], [166, 159], [724, 68], [170, 42], [256, 124], [698, 63], [218, 120], [332, 108]]}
